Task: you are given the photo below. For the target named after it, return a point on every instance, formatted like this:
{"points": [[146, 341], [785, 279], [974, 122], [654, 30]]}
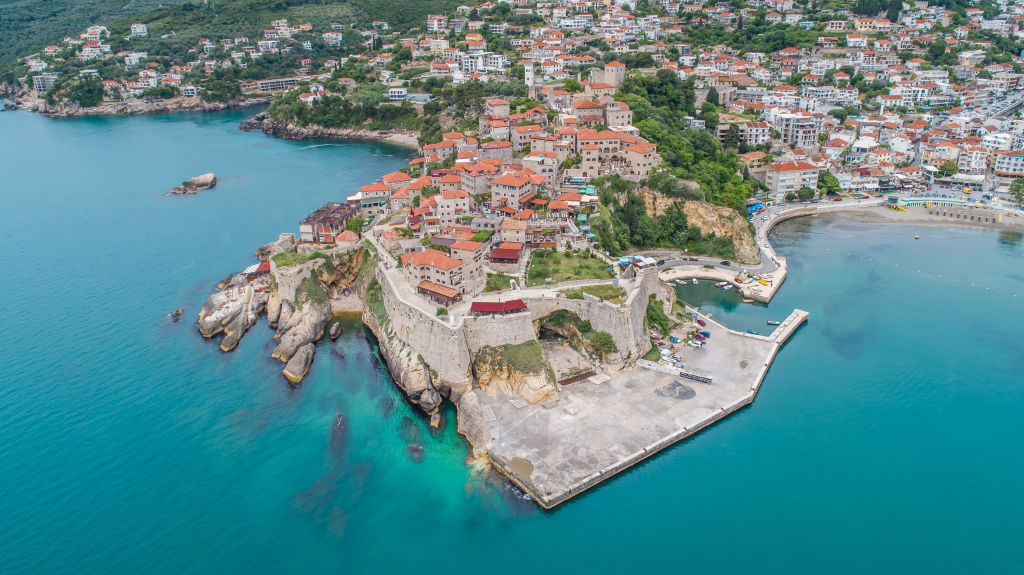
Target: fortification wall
{"points": [[497, 330], [624, 322], [442, 346]]}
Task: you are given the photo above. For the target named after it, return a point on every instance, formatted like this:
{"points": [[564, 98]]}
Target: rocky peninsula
{"points": [[293, 290]]}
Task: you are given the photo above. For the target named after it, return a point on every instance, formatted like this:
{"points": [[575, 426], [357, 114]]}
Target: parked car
{"points": [[838, 200], [701, 322], [725, 263], [691, 259]]}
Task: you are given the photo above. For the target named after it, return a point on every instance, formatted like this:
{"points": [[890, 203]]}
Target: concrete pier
{"points": [[594, 431]]}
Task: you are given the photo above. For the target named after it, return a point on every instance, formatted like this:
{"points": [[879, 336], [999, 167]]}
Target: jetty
{"points": [[601, 426]]}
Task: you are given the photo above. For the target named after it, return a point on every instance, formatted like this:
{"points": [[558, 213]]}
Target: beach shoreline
{"points": [[918, 216]]}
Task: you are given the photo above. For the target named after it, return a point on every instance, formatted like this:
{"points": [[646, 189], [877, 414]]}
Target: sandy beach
{"points": [[409, 139], [919, 216]]}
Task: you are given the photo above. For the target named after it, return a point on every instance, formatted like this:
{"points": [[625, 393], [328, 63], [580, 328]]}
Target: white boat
{"points": [[721, 284], [728, 287], [694, 281]]}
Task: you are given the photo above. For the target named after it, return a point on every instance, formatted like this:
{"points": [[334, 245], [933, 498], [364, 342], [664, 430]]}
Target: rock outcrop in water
{"points": [[203, 182], [293, 289], [298, 366], [232, 311]]}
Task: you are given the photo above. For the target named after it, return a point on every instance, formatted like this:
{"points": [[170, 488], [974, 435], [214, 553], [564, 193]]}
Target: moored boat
{"points": [[747, 300], [773, 322], [721, 284], [752, 332], [694, 281], [728, 287]]}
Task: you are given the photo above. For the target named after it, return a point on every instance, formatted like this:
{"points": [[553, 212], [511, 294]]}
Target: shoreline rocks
{"points": [[298, 366], [271, 127], [193, 185], [66, 110]]}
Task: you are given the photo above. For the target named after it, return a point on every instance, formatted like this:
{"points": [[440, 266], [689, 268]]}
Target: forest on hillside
{"points": [[28, 25]]}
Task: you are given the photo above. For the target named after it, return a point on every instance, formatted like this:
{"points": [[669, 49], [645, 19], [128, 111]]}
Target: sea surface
{"points": [[886, 438]]}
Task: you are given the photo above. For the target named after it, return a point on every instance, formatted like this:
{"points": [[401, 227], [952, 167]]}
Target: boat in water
{"points": [[721, 284], [748, 300], [694, 281], [727, 287], [752, 332], [773, 322]]}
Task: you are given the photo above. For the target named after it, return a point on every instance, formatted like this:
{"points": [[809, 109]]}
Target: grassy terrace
{"points": [[604, 291], [287, 259], [564, 266], [498, 282]]}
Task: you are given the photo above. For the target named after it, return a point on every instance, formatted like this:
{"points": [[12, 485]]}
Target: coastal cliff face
{"points": [[133, 108], [724, 221], [262, 122], [719, 220], [515, 369]]}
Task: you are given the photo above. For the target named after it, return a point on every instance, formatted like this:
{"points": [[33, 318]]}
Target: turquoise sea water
{"points": [[886, 437]]}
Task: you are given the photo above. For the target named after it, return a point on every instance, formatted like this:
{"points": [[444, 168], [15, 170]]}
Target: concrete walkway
{"points": [[593, 431]]}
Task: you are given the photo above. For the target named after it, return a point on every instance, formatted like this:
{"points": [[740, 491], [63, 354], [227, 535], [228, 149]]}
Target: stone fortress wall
{"points": [[448, 346]]}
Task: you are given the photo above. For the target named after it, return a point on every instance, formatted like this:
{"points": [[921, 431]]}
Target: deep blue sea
{"points": [[886, 438]]}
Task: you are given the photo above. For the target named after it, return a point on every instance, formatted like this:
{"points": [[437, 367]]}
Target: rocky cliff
{"points": [[726, 222], [515, 369], [261, 122], [66, 109]]}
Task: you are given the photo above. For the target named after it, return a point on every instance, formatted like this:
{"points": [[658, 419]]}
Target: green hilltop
{"points": [[29, 25]]}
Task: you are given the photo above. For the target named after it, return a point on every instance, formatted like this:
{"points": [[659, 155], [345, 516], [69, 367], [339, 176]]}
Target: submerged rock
{"points": [[298, 365], [415, 452], [335, 330]]}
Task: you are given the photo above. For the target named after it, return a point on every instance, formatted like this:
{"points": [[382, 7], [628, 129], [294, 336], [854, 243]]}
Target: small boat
{"points": [[752, 332], [773, 322], [694, 281], [747, 300], [728, 287], [917, 236], [762, 282], [721, 284]]}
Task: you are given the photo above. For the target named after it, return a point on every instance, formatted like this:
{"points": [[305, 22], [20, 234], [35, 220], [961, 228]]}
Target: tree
{"points": [[949, 168], [936, 49], [805, 193], [713, 96], [572, 85], [603, 344], [791, 197], [355, 225], [732, 136], [1017, 191]]}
